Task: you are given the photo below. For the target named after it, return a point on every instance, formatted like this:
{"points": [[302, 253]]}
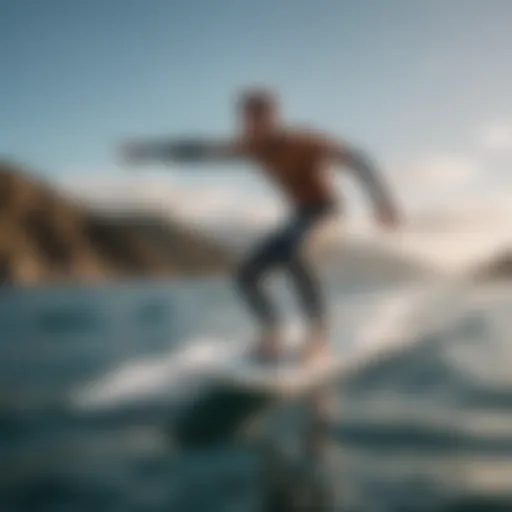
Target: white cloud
{"points": [[458, 240], [204, 202], [439, 170], [496, 137]]}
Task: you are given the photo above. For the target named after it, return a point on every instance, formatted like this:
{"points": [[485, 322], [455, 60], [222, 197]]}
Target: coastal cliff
{"points": [[47, 237]]}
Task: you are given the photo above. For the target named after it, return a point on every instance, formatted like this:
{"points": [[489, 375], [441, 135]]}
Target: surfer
{"points": [[295, 159]]}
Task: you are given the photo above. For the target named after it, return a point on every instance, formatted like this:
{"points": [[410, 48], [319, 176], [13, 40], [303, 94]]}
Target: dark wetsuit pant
{"points": [[282, 249]]}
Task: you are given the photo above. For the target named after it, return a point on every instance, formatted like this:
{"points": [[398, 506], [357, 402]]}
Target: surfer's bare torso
{"points": [[295, 160]]}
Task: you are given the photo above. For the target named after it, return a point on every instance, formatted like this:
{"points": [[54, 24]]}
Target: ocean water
{"points": [[92, 379]]}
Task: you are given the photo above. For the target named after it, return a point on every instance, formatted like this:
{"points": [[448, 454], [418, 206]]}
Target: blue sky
{"points": [[424, 84]]}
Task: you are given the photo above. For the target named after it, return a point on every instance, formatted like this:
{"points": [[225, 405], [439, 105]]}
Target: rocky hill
{"points": [[46, 237]]}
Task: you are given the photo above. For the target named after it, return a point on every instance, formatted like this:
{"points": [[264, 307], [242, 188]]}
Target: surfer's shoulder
{"points": [[312, 139]]}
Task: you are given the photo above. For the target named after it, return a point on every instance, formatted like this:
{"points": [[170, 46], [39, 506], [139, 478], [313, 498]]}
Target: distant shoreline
{"points": [[47, 238]]}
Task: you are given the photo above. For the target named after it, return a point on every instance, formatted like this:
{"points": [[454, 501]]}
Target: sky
{"points": [[423, 86]]}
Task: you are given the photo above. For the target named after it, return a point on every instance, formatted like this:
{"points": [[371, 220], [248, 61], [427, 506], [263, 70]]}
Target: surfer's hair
{"points": [[257, 100]]}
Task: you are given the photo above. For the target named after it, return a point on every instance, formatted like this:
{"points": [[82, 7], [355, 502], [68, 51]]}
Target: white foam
{"points": [[151, 377], [374, 325]]}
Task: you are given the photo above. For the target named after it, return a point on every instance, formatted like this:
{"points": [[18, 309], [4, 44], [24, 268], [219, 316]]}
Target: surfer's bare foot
{"points": [[268, 346], [315, 346]]}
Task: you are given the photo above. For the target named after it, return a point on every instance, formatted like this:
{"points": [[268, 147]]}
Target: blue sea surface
{"points": [[90, 379]]}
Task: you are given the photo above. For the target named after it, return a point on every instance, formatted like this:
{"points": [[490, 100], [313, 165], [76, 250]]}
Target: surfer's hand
{"points": [[388, 217]]}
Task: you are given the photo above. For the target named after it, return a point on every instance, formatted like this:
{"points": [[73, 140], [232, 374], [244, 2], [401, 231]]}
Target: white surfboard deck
{"points": [[285, 377]]}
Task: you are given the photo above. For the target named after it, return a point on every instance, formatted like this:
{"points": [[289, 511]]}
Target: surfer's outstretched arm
{"points": [[364, 169], [182, 151]]}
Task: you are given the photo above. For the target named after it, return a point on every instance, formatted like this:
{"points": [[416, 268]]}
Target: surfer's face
{"points": [[258, 120]]}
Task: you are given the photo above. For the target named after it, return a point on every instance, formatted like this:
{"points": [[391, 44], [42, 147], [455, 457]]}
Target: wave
{"points": [[151, 378], [371, 327]]}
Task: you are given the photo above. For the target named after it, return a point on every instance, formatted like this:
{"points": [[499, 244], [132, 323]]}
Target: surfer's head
{"points": [[258, 110]]}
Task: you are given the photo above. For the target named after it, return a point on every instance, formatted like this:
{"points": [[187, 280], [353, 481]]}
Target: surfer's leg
{"points": [[306, 281], [251, 282], [312, 303], [309, 290]]}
